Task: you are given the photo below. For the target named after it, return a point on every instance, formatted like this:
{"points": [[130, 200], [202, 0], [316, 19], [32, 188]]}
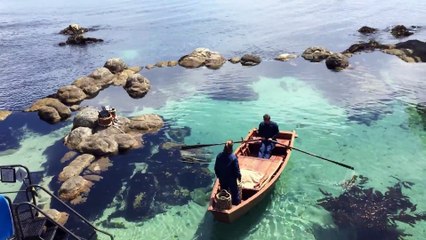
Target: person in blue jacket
{"points": [[227, 171], [268, 130]]}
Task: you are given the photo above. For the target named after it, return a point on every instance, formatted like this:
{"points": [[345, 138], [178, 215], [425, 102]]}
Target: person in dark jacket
{"points": [[268, 130], [227, 171]]}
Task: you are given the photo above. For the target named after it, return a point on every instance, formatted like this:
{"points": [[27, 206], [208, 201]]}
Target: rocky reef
{"points": [[76, 36], [115, 71], [371, 214]]}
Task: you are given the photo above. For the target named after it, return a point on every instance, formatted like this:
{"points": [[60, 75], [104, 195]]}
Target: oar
{"points": [[185, 147], [314, 155]]}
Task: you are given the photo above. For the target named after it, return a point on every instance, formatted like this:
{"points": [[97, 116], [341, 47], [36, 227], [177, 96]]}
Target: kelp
{"points": [[371, 213]]}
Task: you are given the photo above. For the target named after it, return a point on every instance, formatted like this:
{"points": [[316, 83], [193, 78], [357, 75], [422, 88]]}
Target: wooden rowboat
{"points": [[258, 175]]}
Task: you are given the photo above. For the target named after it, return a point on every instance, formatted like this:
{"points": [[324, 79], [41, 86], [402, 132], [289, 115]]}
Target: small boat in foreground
{"points": [[258, 175]]}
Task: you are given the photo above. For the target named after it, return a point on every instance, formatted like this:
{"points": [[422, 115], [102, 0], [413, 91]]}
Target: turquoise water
{"points": [[363, 116]]}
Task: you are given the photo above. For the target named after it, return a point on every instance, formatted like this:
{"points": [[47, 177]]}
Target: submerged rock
{"points": [[316, 54], [137, 86], [140, 196], [75, 189], [76, 167], [250, 60], [337, 62], [367, 30], [59, 217], [370, 213], [101, 165], [4, 114], [79, 39], [202, 57]]}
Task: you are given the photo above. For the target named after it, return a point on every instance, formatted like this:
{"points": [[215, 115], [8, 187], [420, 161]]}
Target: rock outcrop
{"points": [[76, 167], [80, 39], [50, 109], [285, 57], [137, 86], [59, 217], [115, 65], [337, 62], [400, 31], [250, 60], [73, 29], [4, 114], [202, 57], [71, 95], [316, 54], [235, 60], [87, 117]]}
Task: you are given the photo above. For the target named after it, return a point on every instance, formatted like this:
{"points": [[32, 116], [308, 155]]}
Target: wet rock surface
{"points": [[50, 109], [250, 60], [75, 189], [401, 31], [76, 36], [4, 114], [372, 214], [137, 86], [337, 62], [366, 30], [285, 57], [73, 29]]}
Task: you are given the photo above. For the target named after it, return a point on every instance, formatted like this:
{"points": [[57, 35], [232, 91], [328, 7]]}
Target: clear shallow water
{"points": [[361, 116]]}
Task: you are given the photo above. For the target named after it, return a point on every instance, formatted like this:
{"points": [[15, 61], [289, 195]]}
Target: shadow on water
{"points": [[13, 128], [212, 229]]}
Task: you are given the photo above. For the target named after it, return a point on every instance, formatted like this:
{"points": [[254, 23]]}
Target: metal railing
{"points": [[33, 187], [44, 214]]}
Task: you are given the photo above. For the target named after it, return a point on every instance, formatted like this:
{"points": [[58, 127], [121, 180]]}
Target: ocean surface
{"points": [[367, 116]]}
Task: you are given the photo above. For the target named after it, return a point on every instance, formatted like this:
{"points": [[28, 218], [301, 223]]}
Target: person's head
{"points": [[228, 146], [266, 118]]}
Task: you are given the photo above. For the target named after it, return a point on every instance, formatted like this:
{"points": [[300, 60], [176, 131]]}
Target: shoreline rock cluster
{"points": [[398, 31], [76, 36], [58, 106]]}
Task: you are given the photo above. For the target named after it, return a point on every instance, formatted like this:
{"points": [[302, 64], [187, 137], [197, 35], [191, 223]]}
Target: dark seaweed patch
{"points": [[367, 213]]}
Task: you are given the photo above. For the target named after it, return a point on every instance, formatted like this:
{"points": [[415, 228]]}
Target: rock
{"points": [[365, 46], [63, 111], [98, 145], [137, 86], [172, 63], [59, 217], [199, 196], [417, 49], [150, 66], [146, 123], [337, 62], [92, 178], [87, 117], [200, 57], [71, 94], [49, 114], [100, 165], [88, 85], [75, 107], [235, 60], [76, 136], [161, 64], [285, 57], [103, 77], [4, 114], [120, 79], [68, 156], [74, 188], [79, 39], [168, 146], [115, 65], [135, 69], [316, 54], [367, 30], [403, 54], [400, 31], [126, 141], [76, 167], [250, 60], [73, 29]]}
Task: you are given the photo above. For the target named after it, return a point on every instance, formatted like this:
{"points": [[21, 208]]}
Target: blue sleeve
{"points": [[237, 168], [260, 130]]}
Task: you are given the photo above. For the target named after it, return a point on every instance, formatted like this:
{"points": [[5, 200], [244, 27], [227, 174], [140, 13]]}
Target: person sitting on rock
{"points": [[227, 170]]}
